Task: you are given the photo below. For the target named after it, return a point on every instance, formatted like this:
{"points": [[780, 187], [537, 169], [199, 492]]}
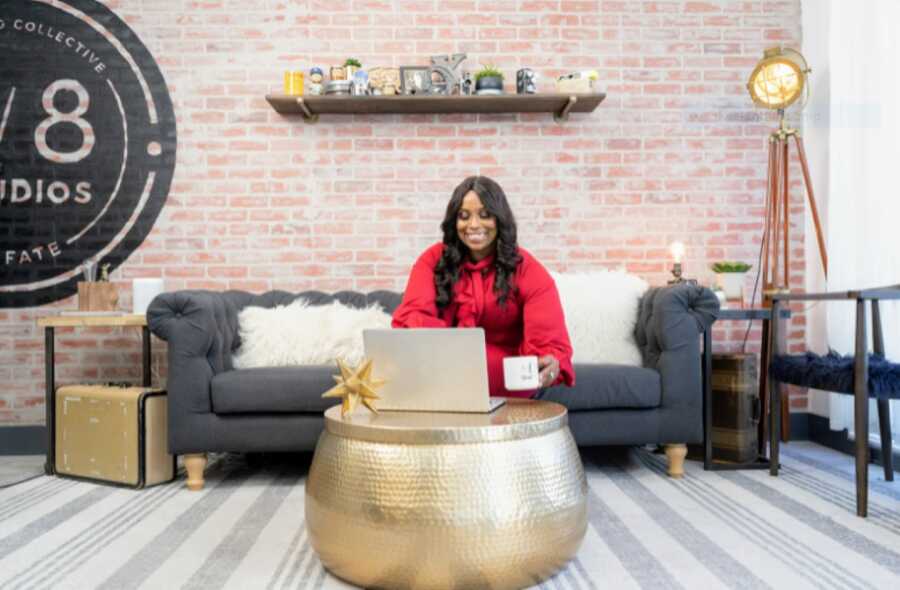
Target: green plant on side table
{"points": [[730, 277], [488, 80]]}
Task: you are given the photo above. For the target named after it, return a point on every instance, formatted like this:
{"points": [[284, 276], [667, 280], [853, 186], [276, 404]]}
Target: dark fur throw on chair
{"points": [[833, 372]]}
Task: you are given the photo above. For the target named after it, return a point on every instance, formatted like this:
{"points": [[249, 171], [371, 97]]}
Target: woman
{"points": [[480, 277]]}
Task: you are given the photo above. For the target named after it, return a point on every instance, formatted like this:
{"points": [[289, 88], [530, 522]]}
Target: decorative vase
{"points": [[732, 283], [489, 85]]}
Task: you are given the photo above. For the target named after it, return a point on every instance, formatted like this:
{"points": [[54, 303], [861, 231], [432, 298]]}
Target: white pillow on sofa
{"points": [[601, 310], [303, 334]]}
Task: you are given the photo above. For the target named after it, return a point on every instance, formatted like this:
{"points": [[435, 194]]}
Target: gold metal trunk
{"points": [[115, 434], [429, 500]]}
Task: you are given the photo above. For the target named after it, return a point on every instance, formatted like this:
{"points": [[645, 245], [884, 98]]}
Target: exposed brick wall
{"points": [[676, 152]]}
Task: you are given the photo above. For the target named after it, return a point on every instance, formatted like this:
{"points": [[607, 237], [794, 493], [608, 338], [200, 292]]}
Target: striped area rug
{"points": [[246, 529]]}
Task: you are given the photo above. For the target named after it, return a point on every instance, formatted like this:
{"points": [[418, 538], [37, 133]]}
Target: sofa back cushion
{"points": [[601, 310], [303, 334]]}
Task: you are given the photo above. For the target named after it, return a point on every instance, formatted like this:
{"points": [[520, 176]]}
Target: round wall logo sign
{"points": [[87, 145]]}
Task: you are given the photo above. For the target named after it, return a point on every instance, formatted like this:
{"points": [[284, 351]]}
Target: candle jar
{"points": [[293, 83]]}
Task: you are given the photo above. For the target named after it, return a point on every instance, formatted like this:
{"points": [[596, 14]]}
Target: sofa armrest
{"points": [[200, 333], [670, 322]]}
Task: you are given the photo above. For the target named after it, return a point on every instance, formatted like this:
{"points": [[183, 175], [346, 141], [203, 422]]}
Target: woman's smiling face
{"points": [[476, 227]]}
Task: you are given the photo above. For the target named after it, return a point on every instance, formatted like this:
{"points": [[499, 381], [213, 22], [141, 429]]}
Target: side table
{"points": [[749, 314], [78, 321]]}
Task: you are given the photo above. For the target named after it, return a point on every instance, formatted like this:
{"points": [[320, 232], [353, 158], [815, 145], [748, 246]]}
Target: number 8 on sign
{"points": [[87, 132]]}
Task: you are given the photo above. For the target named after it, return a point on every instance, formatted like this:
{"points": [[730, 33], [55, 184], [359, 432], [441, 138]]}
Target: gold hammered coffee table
{"points": [[435, 500]]}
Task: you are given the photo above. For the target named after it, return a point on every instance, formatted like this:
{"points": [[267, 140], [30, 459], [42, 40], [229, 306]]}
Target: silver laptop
{"points": [[431, 369]]}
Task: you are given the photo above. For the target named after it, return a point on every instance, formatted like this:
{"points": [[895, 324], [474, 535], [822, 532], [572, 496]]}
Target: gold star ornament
{"points": [[355, 386]]}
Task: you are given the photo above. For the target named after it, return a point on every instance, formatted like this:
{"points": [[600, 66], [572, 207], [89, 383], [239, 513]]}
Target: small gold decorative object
{"points": [[355, 386], [435, 500]]}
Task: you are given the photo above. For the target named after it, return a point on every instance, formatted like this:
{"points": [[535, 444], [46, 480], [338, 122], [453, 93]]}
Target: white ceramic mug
{"points": [[520, 373]]}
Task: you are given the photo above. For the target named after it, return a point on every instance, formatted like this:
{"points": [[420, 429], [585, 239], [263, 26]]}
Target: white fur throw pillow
{"points": [[601, 310], [303, 334]]}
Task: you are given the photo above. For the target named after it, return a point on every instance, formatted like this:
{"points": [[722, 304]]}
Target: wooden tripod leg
{"points": [[767, 230], [780, 344], [801, 153], [769, 247], [786, 204], [777, 196]]}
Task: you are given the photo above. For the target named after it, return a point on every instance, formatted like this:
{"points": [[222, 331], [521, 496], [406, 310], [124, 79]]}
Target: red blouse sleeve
{"points": [[418, 308], [544, 324]]}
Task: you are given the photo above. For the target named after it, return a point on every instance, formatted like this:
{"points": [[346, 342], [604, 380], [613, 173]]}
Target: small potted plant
{"points": [[351, 65], [730, 277], [488, 80]]}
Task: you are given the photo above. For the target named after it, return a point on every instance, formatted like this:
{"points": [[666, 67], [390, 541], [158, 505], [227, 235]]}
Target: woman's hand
{"points": [[549, 370]]}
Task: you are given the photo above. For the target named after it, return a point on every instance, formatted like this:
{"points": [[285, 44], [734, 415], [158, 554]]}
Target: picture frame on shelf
{"points": [[338, 73], [385, 81], [415, 79]]}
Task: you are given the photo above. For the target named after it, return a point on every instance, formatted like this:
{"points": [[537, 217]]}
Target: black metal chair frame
{"points": [[860, 383]]}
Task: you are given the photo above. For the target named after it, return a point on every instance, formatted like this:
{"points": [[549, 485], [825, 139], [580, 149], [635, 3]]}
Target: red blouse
{"points": [[531, 323]]}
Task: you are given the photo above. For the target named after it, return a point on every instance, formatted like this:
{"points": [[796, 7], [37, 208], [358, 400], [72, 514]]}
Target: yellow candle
{"points": [[293, 82]]}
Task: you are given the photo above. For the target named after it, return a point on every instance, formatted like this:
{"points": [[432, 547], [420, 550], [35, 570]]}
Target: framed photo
{"points": [[385, 81], [415, 79]]}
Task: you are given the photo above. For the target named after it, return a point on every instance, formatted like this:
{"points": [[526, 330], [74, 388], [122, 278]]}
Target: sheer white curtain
{"points": [[862, 194]]}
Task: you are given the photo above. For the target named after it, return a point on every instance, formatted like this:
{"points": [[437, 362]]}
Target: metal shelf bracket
{"points": [[308, 116], [563, 115]]}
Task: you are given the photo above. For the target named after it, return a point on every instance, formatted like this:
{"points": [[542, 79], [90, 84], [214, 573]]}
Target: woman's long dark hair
{"points": [[507, 258]]}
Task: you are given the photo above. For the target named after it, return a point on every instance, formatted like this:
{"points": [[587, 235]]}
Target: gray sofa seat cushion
{"points": [[299, 389], [604, 387], [271, 390]]}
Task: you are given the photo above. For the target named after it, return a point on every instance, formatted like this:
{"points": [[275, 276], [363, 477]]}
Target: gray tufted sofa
{"points": [[213, 407]]}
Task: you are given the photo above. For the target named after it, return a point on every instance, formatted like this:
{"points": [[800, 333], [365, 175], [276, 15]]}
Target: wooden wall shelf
{"points": [[310, 107]]}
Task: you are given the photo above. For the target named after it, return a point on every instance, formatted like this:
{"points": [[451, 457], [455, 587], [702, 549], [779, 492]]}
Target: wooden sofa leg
{"points": [[676, 454], [195, 463]]}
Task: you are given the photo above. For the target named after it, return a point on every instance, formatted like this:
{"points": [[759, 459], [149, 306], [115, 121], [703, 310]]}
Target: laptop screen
{"points": [[430, 369]]}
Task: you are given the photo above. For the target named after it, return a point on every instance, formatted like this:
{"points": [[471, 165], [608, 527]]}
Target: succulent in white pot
{"points": [[730, 276]]}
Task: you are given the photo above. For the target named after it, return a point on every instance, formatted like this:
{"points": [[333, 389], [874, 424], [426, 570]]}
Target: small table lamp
{"points": [[677, 251]]}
